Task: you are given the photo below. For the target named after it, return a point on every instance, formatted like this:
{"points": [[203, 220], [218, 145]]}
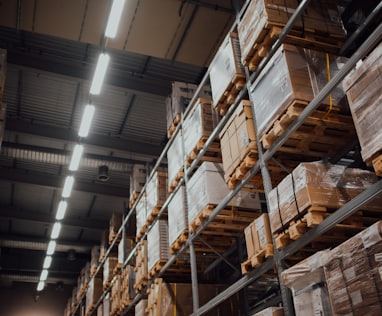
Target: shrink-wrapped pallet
{"points": [[353, 274], [128, 280], [140, 308], [319, 26], [114, 225], [181, 95], [115, 296], [175, 160], [100, 310], [108, 268], [271, 311], [293, 76], [123, 252], [106, 305], [198, 125], [156, 192], [137, 180], [93, 293], [83, 280], [157, 244], [258, 236], [104, 245], [177, 216], [363, 89], [207, 187], [141, 215], [226, 72], [237, 138], [316, 184], [94, 257], [141, 272], [308, 284]]}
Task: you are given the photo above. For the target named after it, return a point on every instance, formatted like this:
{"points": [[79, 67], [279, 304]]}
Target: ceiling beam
{"points": [[41, 244], [7, 212], [53, 181], [34, 278], [71, 136]]}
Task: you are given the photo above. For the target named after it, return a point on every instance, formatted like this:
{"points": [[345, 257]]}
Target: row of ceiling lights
{"points": [[87, 117]]}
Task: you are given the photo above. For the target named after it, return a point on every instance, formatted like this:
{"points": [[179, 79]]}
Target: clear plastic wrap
{"points": [[322, 18], [181, 95], [207, 186], [258, 236], [157, 243], [137, 179], [316, 184], [156, 191], [140, 308], [237, 137], [177, 215], [141, 213], [175, 157], [199, 124], [363, 89], [292, 74], [225, 66], [353, 274], [93, 292]]}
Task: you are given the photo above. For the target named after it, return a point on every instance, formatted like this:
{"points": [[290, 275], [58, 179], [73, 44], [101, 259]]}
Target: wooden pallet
{"points": [[228, 223], [141, 233], [139, 286], [377, 164], [117, 268], [174, 182], [179, 242], [89, 311], [173, 125], [82, 291], [212, 154], [257, 259], [152, 215], [113, 236], [235, 86], [133, 198], [316, 215], [320, 136], [312, 39]]}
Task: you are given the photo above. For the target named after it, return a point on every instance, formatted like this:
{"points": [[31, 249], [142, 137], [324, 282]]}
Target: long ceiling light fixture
{"points": [[86, 121], [99, 74], [114, 18]]}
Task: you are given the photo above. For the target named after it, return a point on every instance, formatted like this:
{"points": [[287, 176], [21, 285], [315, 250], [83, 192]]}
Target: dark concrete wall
{"points": [[19, 300]]}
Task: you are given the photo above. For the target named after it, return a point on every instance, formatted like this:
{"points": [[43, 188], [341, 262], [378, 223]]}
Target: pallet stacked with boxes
{"points": [[307, 191]]}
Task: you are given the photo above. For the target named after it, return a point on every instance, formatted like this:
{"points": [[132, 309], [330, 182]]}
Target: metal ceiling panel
{"points": [[33, 198], [6, 191], [26, 228]]}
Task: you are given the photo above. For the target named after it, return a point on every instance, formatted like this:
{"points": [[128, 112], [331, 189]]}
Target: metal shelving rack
{"points": [[261, 166]]}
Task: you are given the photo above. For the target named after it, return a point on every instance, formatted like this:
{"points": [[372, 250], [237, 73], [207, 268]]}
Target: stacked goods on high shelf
{"points": [[123, 252], [198, 125], [239, 149], [167, 299], [141, 216], [110, 264], [127, 289], [319, 27], [363, 89], [93, 294], [311, 193], [100, 310], [176, 104], [73, 298], [206, 189], [292, 78], [177, 220], [258, 239], [227, 74], [114, 225], [94, 257], [342, 281], [104, 245], [140, 308], [83, 281], [141, 272], [137, 181], [271, 311], [3, 71], [157, 247], [156, 194], [115, 297], [105, 310]]}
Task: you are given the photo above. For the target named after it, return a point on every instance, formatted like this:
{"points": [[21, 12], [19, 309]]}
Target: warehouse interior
{"points": [[52, 49]]}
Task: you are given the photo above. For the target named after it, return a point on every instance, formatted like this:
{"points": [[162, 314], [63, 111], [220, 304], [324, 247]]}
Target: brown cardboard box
{"points": [[249, 239], [93, 292], [114, 225], [271, 311], [108, 268], [156, 192], [140, 308], [157, 244]]}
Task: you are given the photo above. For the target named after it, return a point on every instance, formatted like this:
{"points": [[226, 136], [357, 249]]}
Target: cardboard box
{"points": [[128, 281], [175, 158], [140, 308], [177, 215], [292, 74], [157, 244], [271, 311], [94, 257], [137, 179], [156, 191], [225, 67], [114, 225], [141, 213], [123, 253], [363, 89], [93, 292], [108, 268]]}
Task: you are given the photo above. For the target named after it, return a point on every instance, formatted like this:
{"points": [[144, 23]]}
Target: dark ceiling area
{"points": [[46, 88]]}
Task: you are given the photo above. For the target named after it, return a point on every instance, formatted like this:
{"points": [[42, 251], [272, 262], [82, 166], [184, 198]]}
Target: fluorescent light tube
{"points": [[86, 121], [44, 275], [61, 210], [99, 74], [68, 186], [114, 18], [47, 262], [51, 248], [55, 231], [40, 286], [76, 157]]}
